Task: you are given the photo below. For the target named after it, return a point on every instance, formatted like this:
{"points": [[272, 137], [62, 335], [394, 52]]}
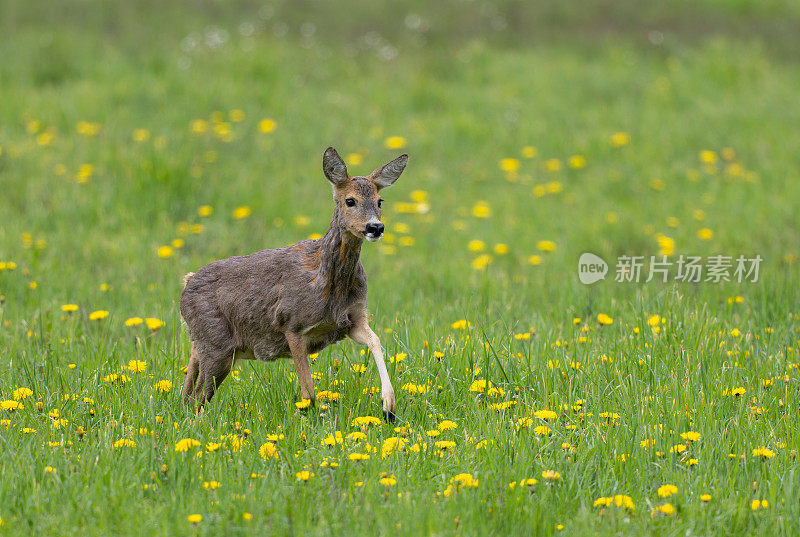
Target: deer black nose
{"points": [[376, 230]]}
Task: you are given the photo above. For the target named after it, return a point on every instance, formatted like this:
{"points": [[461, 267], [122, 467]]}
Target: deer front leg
{"points": [[362, 334], [298, 348]]}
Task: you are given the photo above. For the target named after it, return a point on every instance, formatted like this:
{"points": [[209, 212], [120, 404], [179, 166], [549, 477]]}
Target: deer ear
{"points": [[387, 174], [334, 167]]}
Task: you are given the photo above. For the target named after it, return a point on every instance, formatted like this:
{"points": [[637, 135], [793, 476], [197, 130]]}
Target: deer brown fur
{"points": [[292, 301]]}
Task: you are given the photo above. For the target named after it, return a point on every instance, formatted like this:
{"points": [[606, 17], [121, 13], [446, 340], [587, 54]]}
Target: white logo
{"points": [[591, 268]]}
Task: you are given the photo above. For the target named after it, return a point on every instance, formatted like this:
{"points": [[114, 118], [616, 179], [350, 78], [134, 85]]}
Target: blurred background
{"points": [[142, 139]]}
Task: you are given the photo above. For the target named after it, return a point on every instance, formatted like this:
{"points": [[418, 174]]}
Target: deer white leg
{"points": [[362, 334]]}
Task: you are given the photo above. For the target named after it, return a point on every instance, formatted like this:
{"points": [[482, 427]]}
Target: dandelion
{"points": [[476, 245], [134, 321], [666, 509], [447, 425], [153, 323], [705, 498], [464, 480], [480, 386], [482, 261], [163, 386], [69, 308], [364, 421], [461, 324], [211, 485], [546, 246], [755, 505], [137, 366], [116, 377], [194, 519], [691, 436], [268, 451], [416, 389], [304, 475], [665, 491], [677, 448], [98, 315], [619, 500], [124, 442], [545, 414], [186, 444], [577, 162], [388, 481], [541, 430], [394, 142], [304, 403], [267, 125], [11, 406], [165, 251], [705, 234], [481, 209], [737, 392], [604, 319], [22, 393], [509, 165], [241, 212], [763, 452], [619, 139], [551, 475]]}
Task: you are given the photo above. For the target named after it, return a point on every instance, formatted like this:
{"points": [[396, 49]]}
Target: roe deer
{"points": [[290, 301]]}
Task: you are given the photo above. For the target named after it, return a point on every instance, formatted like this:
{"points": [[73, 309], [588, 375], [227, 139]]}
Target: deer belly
{"points": [[322, 335]]}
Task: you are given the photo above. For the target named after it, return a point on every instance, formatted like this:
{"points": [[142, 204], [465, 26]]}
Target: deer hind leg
{"points": [[215, 368], [192, 372]]}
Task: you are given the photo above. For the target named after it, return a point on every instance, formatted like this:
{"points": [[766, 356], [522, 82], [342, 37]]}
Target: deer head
{"points": [[357, 199]]}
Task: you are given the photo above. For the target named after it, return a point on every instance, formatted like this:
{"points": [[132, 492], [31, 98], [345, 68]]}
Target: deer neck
{"points": [[340, 252]]}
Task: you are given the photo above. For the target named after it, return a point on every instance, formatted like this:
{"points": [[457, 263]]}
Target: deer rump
{"points": [[245, 304]]}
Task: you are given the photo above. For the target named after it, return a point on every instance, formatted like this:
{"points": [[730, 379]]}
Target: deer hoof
{"points": [[389, 416]]}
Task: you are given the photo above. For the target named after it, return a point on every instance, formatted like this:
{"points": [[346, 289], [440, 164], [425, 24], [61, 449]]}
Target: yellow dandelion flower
{"points": [[705, 234], [98, 315], [153, 323], [546, 246], [165, 251], [186, 444], [665, 491], [619, 139], [137, 366], [241, 212], [267, 125], [163, 386], [22, 393], [476, 245], [509, 165], [395, 142], [604, 319]]}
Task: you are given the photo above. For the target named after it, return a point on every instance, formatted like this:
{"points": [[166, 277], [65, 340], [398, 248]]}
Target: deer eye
{"points": [[350, 202], [379, 202]]}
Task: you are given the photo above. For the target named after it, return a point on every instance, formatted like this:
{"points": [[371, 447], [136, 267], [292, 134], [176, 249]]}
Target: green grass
{"points": [[464, 96]]}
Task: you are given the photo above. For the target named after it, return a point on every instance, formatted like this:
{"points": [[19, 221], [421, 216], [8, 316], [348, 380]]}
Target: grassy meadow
{"points": [[141, 140]]}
